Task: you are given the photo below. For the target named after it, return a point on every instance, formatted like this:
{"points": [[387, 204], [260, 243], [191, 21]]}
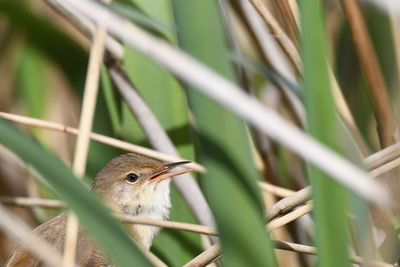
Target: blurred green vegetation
{"points": [[330, 200], [47, 72]]}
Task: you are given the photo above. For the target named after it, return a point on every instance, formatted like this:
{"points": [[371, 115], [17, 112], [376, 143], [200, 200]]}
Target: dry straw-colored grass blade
{"points": [[101, 139], [83, 139], [387, 128]]}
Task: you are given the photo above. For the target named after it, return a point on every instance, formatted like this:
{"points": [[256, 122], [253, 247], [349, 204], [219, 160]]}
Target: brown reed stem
{"points": [[386, 125]]}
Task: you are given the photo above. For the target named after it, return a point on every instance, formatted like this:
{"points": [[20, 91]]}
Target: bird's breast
{"points": [[152, 202], [157, 209], [144, 233]]}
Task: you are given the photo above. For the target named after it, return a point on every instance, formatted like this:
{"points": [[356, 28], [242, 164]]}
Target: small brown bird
{"points": [[129, 184]]}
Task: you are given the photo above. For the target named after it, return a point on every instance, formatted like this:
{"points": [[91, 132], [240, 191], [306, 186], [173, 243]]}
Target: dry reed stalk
{"points": [[101, 139], [313, 251], [207, 230], [284, 205], [156, 261], [53, 203], [83, 139], [288, 47], [386, 124], [263, 155], [282, 258], [384, 160], [340, 102], [275, 190], [341, 105], [288, 203], [386, 167], [203, 259], [294, 8], [274, 55], [210, 254], [233, 44], [382, 157], [289, 19], [29, 202], [290, 217], [295, 214], [189, 227], [214, 253]]}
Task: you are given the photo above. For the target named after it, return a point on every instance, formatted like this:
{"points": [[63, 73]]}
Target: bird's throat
{"points": [[157, 209]]}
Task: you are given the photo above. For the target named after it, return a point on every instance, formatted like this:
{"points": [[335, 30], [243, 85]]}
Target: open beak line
{"points": [[169, 166]]}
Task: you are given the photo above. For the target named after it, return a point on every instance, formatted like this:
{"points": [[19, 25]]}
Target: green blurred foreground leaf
{"points": [[166, 98], [223, 145], [91, 213], [31, 81], [330, 197]]}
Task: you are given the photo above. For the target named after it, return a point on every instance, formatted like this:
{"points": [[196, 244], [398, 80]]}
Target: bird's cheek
{"points": [[145, 194], [120, 192]]}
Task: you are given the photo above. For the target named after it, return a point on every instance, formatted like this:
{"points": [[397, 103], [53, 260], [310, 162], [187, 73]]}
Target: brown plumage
{"points": [[129, 184]]}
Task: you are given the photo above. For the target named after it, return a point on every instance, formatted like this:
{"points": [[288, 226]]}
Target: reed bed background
{"points": [[288, 110]]}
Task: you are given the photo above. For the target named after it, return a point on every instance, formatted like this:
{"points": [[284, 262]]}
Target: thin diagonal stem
{"points": [[289, 19], [288, 47], [101, 139], [288, 203], [28, 202]]}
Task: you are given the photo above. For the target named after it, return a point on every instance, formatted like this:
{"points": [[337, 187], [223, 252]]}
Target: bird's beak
{"points": [[164, 174]]}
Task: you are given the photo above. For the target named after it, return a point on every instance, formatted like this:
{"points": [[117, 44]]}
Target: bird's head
{"points": [[133, 184]]}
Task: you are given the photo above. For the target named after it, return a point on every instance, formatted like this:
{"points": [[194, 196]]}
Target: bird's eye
{"points": [[131, 178]]}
